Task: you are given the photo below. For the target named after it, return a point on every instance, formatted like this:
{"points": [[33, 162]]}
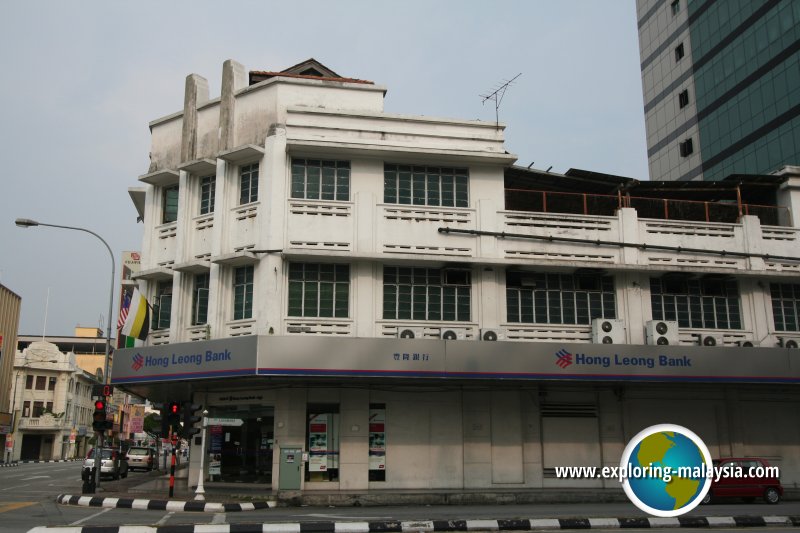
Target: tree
{"points": [[152, 426]]}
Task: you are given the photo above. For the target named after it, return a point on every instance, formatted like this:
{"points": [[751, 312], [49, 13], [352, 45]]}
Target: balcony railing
{"points": [[43, 422], [658, 208]]}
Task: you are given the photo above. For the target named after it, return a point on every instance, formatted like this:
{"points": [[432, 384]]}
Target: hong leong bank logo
{"points": [[563, 358], [138, 362]]}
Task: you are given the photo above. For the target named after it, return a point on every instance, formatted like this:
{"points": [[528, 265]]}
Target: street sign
{"points": [[225, 421]]}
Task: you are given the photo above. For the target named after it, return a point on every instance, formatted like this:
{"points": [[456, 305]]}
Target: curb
{"points": [[33, 461], [161, 505], [30, 461], [452, 525]]}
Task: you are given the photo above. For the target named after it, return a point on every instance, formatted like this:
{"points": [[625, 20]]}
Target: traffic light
{"points": [[102, 391], [174, 417], [99, 422], [161, 418], [190, 419]]}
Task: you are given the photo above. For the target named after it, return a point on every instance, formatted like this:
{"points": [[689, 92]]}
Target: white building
{"points": [[293, 231], [52, 405]]}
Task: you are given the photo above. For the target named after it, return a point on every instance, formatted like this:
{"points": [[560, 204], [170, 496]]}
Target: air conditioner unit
{"points": [[661, 332], [608, 331], [789, 342], [712, 340], [745, 344], [453, 334], [409, 333], [493, 334]]}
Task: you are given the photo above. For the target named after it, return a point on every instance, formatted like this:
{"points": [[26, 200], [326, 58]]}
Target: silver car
{"points": [[112, 463], [142, 457]]}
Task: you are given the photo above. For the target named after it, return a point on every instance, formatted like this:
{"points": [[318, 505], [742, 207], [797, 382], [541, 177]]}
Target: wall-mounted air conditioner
{"points": [[493, 334], [608, 331], [661, 332], [789, 342], [409, 333], [711, 340], [453, 334]]}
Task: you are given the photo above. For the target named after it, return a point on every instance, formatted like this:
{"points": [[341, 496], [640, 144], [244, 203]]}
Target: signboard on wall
{"points": [[131, 264], [137, 419], [219, 358], [318, 443], [377, 439]]}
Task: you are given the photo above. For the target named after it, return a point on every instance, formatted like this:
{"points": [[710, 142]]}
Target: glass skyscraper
{"points": [[721, 81]]}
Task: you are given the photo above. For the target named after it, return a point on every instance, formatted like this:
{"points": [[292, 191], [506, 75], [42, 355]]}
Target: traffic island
{"points": [[161, 505]]}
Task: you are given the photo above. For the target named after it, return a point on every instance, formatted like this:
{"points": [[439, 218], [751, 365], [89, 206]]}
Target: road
{"points": [[27, 499]]}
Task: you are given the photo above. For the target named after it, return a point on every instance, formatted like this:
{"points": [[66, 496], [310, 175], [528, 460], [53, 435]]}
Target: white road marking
{"points": [[82, 520], [219, 518], [164, 520], [33, 477], [15, 488]]}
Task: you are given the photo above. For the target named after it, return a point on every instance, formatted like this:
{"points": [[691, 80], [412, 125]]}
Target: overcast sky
{"points": [[81, 81]]}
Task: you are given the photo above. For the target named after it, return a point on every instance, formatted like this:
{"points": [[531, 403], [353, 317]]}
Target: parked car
{"points": [[112, 463], [760, 485], [142, 457]]}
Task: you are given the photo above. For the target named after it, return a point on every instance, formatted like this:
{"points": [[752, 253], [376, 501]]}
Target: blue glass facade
{"points": [[746, 57]]}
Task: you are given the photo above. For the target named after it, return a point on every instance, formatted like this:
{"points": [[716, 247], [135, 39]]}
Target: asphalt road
{"points": [[27, 499]]}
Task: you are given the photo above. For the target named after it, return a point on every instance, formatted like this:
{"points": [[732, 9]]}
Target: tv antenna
{"points": [[497, 94]]}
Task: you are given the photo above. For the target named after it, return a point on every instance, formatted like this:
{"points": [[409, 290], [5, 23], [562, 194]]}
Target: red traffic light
{"points": [[174, 408], [99, 405]]}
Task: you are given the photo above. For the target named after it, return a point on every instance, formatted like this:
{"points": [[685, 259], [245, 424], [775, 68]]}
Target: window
{"points": [[49, 407], [169, 204], [683, 98], [40, 382], [208, 187], [323, 442], [29, 381], [709, 303], [248, 184], [243, 292], [313, 179], [38, 408], [319, 290], [422, 185], [51, 384], [686, 148], [676, 7], [679, 52], [377, 442], [426, 294], [162, 308], [26, 408], [200, 299], [544, 298], [785, 306]]}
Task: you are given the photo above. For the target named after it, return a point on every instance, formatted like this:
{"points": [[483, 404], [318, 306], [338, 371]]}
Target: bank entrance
{"points": [[241, 453]]}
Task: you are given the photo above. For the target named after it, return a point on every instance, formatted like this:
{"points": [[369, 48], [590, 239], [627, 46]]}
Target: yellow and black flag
{"points": [[137, 323]]}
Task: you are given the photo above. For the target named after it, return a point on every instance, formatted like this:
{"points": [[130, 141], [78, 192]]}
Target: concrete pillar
{"points": [[751, 229], [234, 78], [354, 440], [195, 94]]}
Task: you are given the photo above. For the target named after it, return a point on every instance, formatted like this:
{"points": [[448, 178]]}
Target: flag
{"points": [[123, 312], [137, 323]]}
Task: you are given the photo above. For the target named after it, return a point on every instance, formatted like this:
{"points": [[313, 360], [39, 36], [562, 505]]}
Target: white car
{"points": [[112, 463]]}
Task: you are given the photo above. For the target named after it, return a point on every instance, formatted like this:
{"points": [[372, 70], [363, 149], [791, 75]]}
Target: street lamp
{"points": [[28, 223], [200, 491], [14, 419]]}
